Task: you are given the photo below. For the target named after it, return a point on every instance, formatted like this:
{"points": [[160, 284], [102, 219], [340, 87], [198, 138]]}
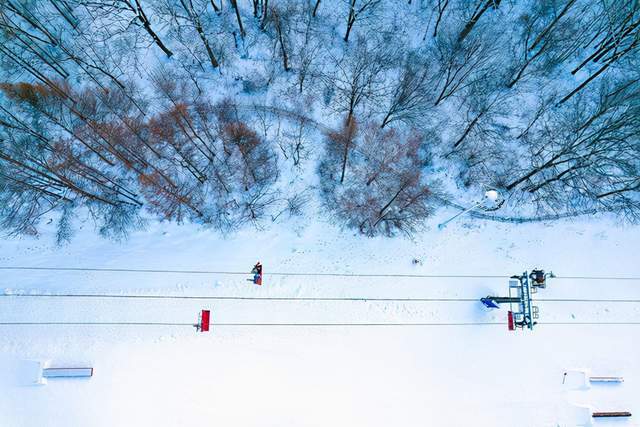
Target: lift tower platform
{"points": [[522, 313]]}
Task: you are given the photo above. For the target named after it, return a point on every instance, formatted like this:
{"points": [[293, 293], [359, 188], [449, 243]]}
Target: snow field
{"points": [[312, 376]]}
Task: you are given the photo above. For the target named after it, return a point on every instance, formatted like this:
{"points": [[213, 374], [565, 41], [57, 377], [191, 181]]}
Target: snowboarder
{"points": [[257, 273]]}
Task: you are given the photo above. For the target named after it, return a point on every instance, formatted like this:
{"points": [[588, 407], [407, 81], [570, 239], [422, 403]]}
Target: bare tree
{"points": [[358, 77], [483, 105], [109, 127], [441, 7], [281, 16], [29, 38], [293, 142], [315, 8], [621, 40], [341, 144], [251, 167], [306, 47], [189, 160], [480, 8], [125, 10], [359, 9], [40, 174], [192, 17], [460, 65], [385, 191], [586, 154], [548, 37], [412, 94], [234, 4]]}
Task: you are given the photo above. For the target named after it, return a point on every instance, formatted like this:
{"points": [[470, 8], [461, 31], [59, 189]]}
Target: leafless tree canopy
{"points": [[226, 113]]}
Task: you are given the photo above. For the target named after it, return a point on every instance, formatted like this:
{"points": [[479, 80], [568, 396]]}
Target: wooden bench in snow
{"points": [[582, 415], [67, 372]]}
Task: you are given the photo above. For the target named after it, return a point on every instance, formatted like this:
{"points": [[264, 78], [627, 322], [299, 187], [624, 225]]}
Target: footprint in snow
{"points": [[601, 235]]}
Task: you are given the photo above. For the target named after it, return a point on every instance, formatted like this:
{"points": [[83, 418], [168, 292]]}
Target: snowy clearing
{"points": [[338, 375]]}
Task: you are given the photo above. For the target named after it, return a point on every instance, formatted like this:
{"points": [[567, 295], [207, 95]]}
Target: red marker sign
{"points": [[204, 321]]}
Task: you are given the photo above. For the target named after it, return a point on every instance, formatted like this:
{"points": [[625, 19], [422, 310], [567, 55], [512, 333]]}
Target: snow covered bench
{"points": [[39, 372], [67, 372]]}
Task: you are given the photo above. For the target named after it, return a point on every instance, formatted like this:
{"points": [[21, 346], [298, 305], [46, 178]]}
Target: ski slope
{"points": [[321, 375]]}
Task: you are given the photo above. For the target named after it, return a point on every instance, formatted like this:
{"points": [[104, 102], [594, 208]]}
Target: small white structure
{"points": [[492, 195], [40, 372], [581, 379]]}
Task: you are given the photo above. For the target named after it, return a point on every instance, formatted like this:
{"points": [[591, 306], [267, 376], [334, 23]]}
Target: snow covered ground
{"points": [[330, 375]]}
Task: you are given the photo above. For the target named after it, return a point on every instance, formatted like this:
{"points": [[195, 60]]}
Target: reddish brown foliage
{"points": [[239, 135]]}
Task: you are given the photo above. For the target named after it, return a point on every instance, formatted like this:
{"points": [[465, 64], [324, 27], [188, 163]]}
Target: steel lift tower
{"points": [[522, 313]]}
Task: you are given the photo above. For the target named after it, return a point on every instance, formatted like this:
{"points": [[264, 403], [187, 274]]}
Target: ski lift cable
{"points": [[334, 324], [276, 273], [239, 298], [585, 300], [243, 273], [95, 323], [327, 299], [247, 324], [589, 323]]}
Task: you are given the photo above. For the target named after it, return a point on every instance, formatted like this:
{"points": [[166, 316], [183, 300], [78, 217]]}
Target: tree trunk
{"points": [[385, 207], [619, 190], [600, 71], [350, 20], [147, 26], [533, 172], [525, 66], [605, 48], [198, 26], [441, 8], [552, 24], [468, 129], [265, 9], [32, 20], [234, 3], [386, 120], [66, 12], [285, 57], [476, 17], [347, 146]]}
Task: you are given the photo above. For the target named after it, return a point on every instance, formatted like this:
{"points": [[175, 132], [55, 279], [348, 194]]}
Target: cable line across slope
{"points": [[319, 274], [332, 324], [327, 299]]}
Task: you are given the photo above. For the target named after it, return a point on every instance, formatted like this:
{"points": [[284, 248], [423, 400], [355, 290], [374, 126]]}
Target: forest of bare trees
{"points": [[232, 112]]}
